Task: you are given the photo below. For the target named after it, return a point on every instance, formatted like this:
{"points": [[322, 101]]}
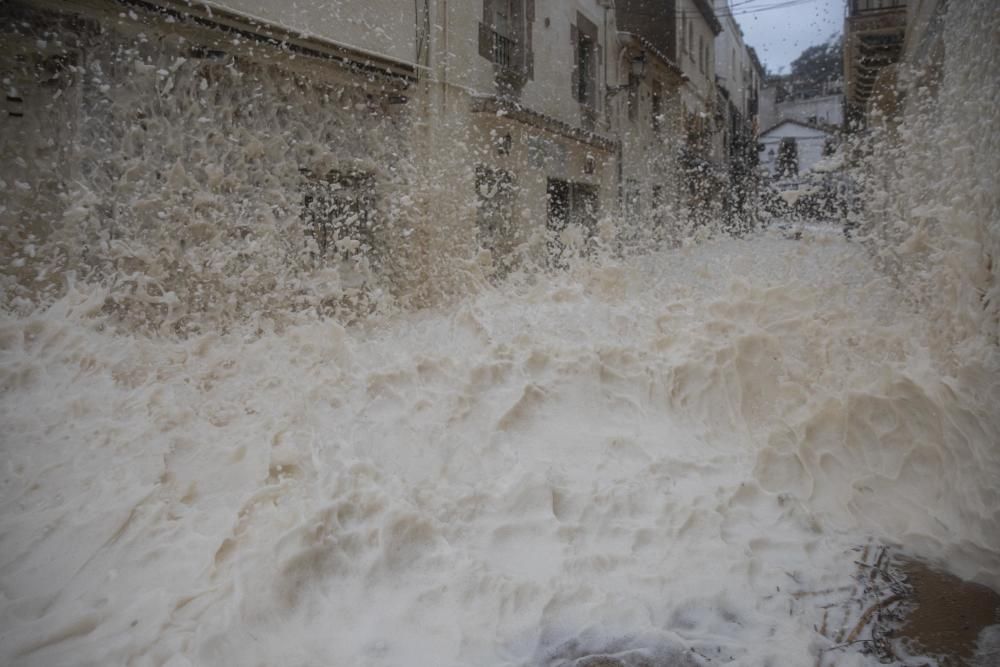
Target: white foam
{"points": [[617, 459], [647, 458]]}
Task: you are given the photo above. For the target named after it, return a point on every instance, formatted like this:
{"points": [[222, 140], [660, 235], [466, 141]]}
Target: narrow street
{"points": [[364, 421]]}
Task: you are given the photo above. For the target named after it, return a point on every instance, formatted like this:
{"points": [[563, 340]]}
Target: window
{"points": [[502, 12], [659, 204], [657, 106], [690, 40], [633, 97], [586, 58], [585, 67], [570, 204], [504, 144], [659, 196], [505, 36], [339, 214], [633, 200], [701, 53], [495, 194]]}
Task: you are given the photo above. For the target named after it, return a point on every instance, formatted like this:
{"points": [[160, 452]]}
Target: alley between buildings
{"points": [[347, 346]]}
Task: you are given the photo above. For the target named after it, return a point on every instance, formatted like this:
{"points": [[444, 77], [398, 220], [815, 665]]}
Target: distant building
{"points": [[647, 101], [824, 106], [738, 71], [825, 110], [697, 27], [874, 31], [738, 74], [366, 139], [791, 148]]}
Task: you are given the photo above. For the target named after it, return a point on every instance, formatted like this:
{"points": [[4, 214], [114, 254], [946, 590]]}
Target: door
{"points": [[570, 205]]}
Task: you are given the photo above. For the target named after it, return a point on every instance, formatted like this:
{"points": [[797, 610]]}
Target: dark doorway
{"points": [[339, 213], [495, 195], [569, 204]]}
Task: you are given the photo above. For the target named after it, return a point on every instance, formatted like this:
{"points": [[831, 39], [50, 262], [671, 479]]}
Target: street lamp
{"points": [[637, 67]]}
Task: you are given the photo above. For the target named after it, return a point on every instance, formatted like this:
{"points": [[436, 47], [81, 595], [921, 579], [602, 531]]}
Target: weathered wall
{"points": [[383, 27], [828, 109], [466, 135], [699, 69], [933, 206], [550, 90], [653, 20], [732, 61], [810, 145], [170, 161], [650, 145], [174, 161]]}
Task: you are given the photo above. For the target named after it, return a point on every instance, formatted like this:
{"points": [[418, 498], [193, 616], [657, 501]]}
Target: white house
{"points": [[824, 109], [818, 110], [791, 148]]}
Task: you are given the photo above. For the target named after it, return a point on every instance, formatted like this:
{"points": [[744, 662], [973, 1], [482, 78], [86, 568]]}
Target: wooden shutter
{"points": [[574, 36], [595, 84], [529, 28], [485, 41]]}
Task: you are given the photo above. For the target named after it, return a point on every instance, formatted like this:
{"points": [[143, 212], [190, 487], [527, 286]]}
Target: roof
{"points": [[756, 60], [706, 10], [649, 46]]}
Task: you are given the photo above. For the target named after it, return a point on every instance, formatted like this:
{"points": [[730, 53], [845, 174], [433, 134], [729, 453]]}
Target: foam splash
{"points": [[646, 461], [620, 461]]}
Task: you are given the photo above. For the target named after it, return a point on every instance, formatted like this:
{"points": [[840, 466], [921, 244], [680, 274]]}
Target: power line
{"points": [[744, 9]]}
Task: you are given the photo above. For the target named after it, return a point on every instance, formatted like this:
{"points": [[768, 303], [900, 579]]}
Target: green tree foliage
{"points": [[788, 159], [816, 66]]}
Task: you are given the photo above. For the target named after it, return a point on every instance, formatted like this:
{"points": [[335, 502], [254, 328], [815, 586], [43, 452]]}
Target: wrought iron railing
{"points": [[864, 6], [502, 49]]}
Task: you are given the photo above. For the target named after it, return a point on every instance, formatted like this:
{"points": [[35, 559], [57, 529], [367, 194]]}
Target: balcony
{"points": [[874, 33], [858, 7], [499, 49], [513, 61]]}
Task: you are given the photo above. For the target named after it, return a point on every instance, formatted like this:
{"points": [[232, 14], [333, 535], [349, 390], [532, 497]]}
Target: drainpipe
{"points": [[608, 6], [445, 55]]}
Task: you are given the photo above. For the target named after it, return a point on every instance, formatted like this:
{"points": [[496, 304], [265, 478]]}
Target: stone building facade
{"points": [[738, 75], [321, 153]]}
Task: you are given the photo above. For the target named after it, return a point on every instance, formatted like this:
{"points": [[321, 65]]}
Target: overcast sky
{"points": [[780, 35]]}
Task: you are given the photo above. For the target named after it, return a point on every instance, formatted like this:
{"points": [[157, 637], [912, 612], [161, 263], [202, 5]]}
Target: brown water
{"points": [[660, 458]]}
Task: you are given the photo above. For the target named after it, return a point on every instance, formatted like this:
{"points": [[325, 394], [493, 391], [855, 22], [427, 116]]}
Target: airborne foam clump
{"points": [[615, 461], [934, 205], [177, 183]]}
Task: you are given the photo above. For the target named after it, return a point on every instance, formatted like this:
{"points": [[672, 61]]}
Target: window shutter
{"points": [[574, 36], [529, 28], [485, 41], [596, 76]]}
